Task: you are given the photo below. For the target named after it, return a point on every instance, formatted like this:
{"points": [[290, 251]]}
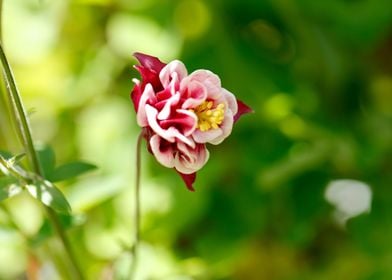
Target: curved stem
{"points": [[5, 120], [24, 128], [135, 248], [25, 134]]}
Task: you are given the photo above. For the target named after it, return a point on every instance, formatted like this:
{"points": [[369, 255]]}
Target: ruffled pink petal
{"points": [[193, 93], [162, 150], [230, 100], [189, 121], [188, 179], [210, 80], [216, 136], [174, 70], [188, 160], [171, 134], [206, 136], [242, 109], [226, 127], [162, 97], [165, 152], [168, 106], [183, 120]]}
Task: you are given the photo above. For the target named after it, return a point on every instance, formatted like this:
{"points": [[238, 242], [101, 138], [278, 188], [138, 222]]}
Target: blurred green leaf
{"points": [[47, 160], [5, 154], [8, 187], [49, 195], [70, 170]]}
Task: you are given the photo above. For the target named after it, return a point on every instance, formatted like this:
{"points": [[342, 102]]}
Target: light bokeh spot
{"points": [[349, 197], [129, 33]]}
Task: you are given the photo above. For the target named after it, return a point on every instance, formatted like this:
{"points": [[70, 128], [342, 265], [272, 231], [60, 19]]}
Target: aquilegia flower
{"points": [[180, 113]]}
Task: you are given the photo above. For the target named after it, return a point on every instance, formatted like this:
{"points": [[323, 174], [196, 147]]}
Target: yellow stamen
{"points": [[209, 118]]}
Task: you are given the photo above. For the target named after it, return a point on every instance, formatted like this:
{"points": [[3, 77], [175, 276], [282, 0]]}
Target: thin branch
{"points": [[135, 248]]}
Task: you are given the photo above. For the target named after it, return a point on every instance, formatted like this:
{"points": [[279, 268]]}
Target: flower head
{"points": [[181, 112]]}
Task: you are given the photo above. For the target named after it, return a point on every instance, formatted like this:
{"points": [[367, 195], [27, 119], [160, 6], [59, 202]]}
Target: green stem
{"points": [[24, 128], [135, 248], [25, 133]]}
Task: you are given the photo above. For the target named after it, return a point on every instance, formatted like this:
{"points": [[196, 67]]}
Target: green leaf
{"points": [[47, 160], [70, 170], [49, 195], [8, 187], [5, 154]]}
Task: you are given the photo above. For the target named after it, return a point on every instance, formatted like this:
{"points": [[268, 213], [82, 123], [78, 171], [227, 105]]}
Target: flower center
{"points": [[209, 118]]}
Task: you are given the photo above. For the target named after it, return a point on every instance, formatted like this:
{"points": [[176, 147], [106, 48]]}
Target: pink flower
{"points": [[181, 112]]}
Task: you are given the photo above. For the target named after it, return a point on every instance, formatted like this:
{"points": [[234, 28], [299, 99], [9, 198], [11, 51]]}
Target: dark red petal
{"points": [[149, 69], [135, 96], [149, 77], [189, 179], [150, 62], [242, 109]]}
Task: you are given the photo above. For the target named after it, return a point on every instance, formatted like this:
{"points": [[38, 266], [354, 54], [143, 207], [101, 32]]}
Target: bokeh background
{"points": [[270, 203]]}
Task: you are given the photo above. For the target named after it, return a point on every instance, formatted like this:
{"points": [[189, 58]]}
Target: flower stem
{"points": [[24, 131], [135, 248]]}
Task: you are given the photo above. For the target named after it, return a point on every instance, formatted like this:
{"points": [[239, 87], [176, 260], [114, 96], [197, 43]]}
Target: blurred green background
{"points": [[318, 75]]}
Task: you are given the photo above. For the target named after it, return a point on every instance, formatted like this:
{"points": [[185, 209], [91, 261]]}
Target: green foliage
{"points": [[63, 172], [41, 189], [47, 159], [70, 170], [49, 195], [8, 187]]}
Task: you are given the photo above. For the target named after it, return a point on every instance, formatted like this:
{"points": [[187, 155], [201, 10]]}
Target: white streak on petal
{"points": [[165, 112], [135, 81], [141, 116], [152, 113], [187, 140], [170, 134]]}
